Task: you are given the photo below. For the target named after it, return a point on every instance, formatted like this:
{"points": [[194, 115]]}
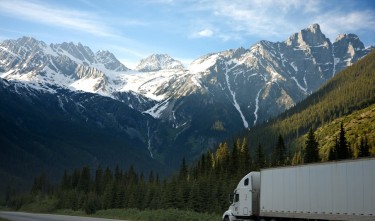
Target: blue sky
{"points": [[184, 29]]}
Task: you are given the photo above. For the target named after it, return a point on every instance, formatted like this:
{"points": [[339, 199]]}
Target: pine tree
{"points": [[234, 161], [84, 180], [244, 157], [279, 154], [311, 148], [118, 173], [333, 151], [364, 148], [222, 153], [75, 178], [99, 181], [343, 151], [66, 181], [260, 160]]}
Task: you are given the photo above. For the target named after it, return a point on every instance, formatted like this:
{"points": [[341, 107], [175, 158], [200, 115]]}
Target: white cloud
{"points": [[205, 33], [338, 22], [55, 16]]}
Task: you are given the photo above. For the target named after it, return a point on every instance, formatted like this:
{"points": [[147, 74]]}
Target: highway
{"points": [[21, 216]]}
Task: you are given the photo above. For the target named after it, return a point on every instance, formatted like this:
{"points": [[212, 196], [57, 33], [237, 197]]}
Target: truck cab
{"points": [[245, 199]]}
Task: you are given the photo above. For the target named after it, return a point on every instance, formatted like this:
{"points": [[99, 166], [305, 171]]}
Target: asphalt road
{"points": [[20, 216]]}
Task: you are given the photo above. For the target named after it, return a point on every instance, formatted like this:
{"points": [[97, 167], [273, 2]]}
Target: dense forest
{"points": [[201, 187]]}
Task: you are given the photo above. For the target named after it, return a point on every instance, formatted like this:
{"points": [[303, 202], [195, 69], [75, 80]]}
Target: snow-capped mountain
{"points": [[264, 80], [197, 106], [66, 64], [157, 62]]}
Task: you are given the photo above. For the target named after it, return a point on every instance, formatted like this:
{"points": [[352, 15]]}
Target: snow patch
{"points": [[245, 123], [202, 64], [157, 110], [256, 107], [294, 66], [300, 86], [149, 141], [61, 104], [335, 62], [49, 51]]}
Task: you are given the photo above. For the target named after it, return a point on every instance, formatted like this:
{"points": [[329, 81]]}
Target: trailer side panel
{"points": [[336, 190]]}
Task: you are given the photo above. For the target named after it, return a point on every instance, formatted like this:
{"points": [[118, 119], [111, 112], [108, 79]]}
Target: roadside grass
{"points": [[42, 205], [3, 219], [147, 215]]}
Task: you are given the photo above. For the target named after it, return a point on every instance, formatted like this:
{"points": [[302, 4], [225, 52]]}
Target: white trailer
{"points": [[342, 190]]}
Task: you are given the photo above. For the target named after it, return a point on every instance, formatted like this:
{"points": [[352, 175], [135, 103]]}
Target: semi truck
{"points": [[340, 190]]}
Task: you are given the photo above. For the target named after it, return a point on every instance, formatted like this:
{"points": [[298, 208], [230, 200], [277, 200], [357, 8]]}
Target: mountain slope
{"points": [[49, 132], [357, 125], [350, 90]]}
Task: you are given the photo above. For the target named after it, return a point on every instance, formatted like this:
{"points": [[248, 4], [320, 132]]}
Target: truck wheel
{"points": [[226, 218]]}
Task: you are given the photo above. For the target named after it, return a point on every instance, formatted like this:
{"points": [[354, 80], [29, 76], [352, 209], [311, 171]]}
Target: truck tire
{"points": [[226, 218]]}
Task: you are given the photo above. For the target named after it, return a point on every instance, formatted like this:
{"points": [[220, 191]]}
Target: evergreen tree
{"points": [[75, 178], [333, 151], [108, 177], [260, 159], [222, 153], [118, 173], [364, 148], [245, 160], [279, 154], [84, 180], [343, 151], [99, 181], [234, 161], [66, 181], [311, 148], [151, 178]]}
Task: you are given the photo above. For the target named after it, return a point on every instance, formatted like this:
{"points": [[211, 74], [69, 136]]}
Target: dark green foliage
{"points": [[311, 148], [364, 148], [41, 185], [84, 180], [343, 151], [333, 151], [279, 153], [260, 160]]}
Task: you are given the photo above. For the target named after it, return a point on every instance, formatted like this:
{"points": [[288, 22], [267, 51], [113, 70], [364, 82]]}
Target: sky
{"points": [[184, 29]]}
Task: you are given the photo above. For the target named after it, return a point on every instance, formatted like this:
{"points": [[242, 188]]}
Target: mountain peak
{"points": [[156, 62], [352, 39], [311, 36], [314, 28]]}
